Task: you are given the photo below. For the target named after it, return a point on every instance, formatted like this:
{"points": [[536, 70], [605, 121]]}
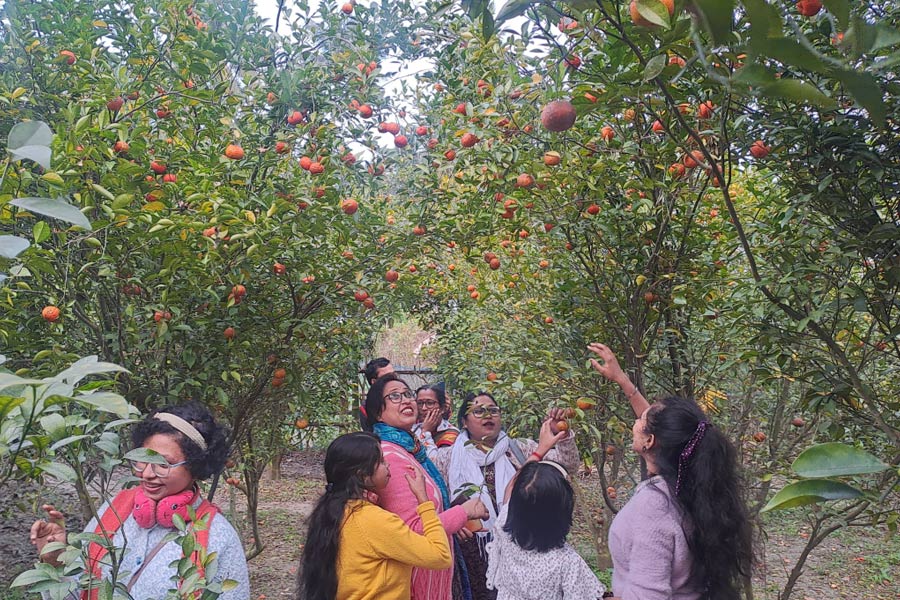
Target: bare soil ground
{"points": [[858, 564]]}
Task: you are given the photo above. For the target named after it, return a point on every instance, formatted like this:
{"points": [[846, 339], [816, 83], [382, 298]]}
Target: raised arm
{"points": [[608, 366]]}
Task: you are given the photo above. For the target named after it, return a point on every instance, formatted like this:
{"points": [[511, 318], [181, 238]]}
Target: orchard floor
{"points": [[857, 565]]}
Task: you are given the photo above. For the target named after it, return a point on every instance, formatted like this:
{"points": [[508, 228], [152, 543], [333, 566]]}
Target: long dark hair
{"points": [[348, 461], [709, 491], [540, 508]]}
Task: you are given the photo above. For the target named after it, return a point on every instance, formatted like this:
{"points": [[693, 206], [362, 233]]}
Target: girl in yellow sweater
{"points": [[356, 550]]}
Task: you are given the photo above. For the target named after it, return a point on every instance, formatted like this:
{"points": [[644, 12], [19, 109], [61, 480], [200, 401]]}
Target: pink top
{"points": [[651, 559], [427, 584]]}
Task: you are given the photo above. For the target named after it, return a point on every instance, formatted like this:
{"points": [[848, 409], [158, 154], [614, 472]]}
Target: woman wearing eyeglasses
{"points": [[191, 447], [485, 458], [432, 403], [392, 412]]}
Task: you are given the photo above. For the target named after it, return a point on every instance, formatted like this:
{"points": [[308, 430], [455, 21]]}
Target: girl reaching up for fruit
{"points": [[356, 550], [528, 558]]}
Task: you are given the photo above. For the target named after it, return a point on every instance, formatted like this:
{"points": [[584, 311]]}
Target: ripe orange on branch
{"points": [[558, 115], [759, 149], [50, 313], [234, 152]]}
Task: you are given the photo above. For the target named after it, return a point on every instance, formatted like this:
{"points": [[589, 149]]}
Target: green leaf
{"points": [[32, 576], [841, 11], [12, 245], [655, 12], [754, 74], [885, 37], [798, 91], [716, 17], [8, 380], [57, 209], [108, 402], [835, 459], [810, 492], [513, 9], [654, 66], [865, 90], [41, 232], [89, 365], [487, 23], [31, 140], [790, 52], [765, 22], [68, 440], [145, 455], [59, 471], [54, 424]]}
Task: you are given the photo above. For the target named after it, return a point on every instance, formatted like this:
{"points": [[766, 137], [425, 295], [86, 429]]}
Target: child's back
{"points": [[528, 558], [519, 574]]}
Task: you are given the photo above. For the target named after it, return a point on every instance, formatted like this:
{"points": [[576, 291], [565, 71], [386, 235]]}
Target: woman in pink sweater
{"points": [[391, 413], [685, 533]]}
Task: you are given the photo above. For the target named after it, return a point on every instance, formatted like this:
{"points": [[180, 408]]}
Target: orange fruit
{"points": [[234, 152], [559, 115]]}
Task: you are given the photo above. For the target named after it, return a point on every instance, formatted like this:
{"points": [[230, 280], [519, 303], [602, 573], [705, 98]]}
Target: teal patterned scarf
{"points": [[408, 442]]}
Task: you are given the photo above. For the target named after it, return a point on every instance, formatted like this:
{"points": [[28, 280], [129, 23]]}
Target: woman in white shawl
{"points": [[484, 459]]}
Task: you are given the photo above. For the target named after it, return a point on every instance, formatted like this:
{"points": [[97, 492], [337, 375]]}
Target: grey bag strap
{"points": [[517, 452]]}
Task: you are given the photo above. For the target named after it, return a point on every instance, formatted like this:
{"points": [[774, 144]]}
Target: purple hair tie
{"points": [[688, 451]]}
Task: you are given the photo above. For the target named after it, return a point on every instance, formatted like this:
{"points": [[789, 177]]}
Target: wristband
{"points": [[632, 393], [537, 456]]}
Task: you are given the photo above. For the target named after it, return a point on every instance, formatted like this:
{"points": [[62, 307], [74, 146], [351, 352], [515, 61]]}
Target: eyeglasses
{"points": [[481, 412], [428, 403], [161, 470], [398, 397]]}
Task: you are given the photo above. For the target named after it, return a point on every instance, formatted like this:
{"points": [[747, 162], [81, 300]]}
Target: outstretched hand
{"points": [[609, 367], [52, 530], [547, 438]]}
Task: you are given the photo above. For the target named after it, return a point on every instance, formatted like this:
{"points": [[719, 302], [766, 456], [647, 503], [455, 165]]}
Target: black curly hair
{"points": [[202, 464]]}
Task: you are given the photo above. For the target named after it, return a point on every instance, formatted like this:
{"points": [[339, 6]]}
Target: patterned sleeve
{"points": [[578, 581], [224, 540], [565, 452]]}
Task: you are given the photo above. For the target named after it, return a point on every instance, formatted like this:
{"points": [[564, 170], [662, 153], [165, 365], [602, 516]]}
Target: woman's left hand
{"points": [[432, 419]]}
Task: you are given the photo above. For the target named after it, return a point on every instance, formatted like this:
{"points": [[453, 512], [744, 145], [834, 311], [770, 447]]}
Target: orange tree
{"points": [[702, 203], [231, 177]]}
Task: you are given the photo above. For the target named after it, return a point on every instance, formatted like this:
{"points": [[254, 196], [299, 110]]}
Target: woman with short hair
{"points": [[191, 447], [484, 459]]}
